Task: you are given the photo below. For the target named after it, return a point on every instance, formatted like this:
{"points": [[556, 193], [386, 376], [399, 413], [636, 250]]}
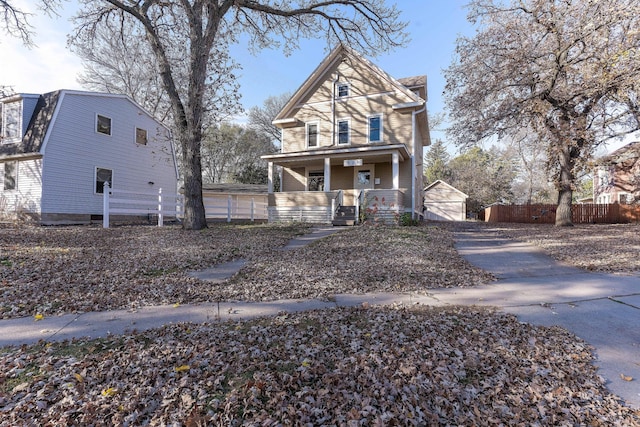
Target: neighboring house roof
{"points": [[341, 53], [440, 182], [42, 117], [628, 152]]}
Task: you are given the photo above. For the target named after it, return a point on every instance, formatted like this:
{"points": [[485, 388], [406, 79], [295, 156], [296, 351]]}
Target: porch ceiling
{"points": [[368, 154]]}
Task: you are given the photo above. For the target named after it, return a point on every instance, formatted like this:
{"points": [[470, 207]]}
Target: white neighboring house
{"points": [[444, 202], [58, 149]]}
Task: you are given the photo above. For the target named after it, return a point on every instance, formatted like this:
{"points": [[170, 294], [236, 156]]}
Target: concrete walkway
{"points": [[602, 309]]}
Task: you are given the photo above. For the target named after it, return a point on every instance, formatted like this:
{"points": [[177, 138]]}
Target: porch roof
{"points": [[372, 154]]}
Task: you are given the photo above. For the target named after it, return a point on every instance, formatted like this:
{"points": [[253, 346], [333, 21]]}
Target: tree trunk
{"points": [[565, 191], [194, 213]]}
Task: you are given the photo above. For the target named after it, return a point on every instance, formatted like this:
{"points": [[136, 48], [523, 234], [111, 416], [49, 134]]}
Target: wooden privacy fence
{"points": [[587, 213], [225, 207]]}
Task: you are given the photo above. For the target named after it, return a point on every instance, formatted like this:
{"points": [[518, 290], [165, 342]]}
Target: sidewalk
{"points": [[602, 309]]}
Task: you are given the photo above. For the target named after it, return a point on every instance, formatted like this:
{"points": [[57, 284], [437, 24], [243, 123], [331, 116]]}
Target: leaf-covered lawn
{"points": [[350, 366], [611, 248], [77, 269]]}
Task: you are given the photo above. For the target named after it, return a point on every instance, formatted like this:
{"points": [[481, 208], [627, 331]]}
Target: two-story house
{"points": [[58, 149], [617, 176], [352, 139]]}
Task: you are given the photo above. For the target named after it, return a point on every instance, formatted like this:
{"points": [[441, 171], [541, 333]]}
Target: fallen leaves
{"points": [[79, 269], [611, 248], [56, 270], [364, 366]]}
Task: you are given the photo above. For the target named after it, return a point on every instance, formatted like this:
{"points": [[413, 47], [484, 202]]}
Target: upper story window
{"points": [[10, 175], [11, 122], [103, 125], [312, 134], [375, 128], [343, 90], [343, 132], [141, 136]]}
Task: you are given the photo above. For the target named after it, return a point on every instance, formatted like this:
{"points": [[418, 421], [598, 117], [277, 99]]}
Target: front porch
{"points": [[321, 207]]}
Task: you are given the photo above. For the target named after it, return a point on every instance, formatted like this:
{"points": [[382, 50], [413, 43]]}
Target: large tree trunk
{"points": [[194, 213], [565, 191]]}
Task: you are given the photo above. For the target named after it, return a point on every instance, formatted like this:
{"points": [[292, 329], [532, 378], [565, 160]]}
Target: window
{"points": [[625, 198], [312, 134], [375, 128], [315, 182], [141, 136], [10, 175], [103, 125], [343, 90], [102, 176], [343, 131], [11, 122]]}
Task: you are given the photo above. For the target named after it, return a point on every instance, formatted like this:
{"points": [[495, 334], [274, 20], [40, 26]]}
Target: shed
{"points": [[442, 202]]}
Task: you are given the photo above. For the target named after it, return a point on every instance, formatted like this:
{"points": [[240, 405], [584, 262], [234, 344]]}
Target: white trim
{"points": [[15, 178], [18, 137], [408, 105], [371, 167], [135, 136], [110, 125], [306, 133], [95, 178], [369, 117], [352, 98], [307, 171], [337, 131], [341, 84]]}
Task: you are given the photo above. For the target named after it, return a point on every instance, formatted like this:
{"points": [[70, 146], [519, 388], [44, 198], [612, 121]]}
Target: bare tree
{"points": [[230, 149], [119, 60], [198, 27], [566, 70], [261, 118], [15, 20]]}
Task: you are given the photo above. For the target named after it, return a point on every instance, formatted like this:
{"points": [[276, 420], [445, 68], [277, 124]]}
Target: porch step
{"points": [[345, 216]]}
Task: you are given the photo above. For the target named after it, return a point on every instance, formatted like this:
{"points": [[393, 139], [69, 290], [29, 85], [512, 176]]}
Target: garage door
{"points": [[445, 211]]}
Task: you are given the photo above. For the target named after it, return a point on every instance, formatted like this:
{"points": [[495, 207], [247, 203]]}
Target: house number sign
{"points": [[353, 162]]}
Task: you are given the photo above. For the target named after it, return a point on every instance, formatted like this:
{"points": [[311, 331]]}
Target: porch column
{"points": [[395, 170], [327, 174], [270, 178]]}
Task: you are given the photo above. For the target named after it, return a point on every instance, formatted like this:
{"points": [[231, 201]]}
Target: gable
{"points": [[440, 190], [363, 78]]}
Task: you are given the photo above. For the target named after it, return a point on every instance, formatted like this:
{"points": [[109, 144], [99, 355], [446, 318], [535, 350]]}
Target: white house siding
{"points": [[73, 149], [26, 197]]}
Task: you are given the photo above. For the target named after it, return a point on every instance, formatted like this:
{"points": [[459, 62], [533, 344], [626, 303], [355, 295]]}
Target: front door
{"points": [[363, 177]]}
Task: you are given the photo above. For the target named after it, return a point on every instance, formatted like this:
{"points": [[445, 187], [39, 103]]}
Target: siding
{"points": [[74, 149], [27, 195], [369, 94]]}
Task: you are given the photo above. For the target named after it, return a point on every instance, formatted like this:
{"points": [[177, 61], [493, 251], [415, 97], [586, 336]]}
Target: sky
{"points": [[434, 26]]}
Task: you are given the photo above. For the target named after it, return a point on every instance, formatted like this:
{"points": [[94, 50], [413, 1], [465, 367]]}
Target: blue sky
{"points": [[434, 26]]}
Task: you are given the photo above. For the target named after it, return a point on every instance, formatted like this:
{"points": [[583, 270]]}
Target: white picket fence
{"points": [[217, 207]]}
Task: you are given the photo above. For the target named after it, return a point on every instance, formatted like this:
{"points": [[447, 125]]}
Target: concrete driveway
{"points": [[602, 309]]}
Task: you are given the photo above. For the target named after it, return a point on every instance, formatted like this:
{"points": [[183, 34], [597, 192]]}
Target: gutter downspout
{"points": [[333, 109], [413, 159]]}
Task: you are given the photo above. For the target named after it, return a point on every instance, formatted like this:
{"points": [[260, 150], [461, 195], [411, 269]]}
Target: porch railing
{"points": [[336, 202]]}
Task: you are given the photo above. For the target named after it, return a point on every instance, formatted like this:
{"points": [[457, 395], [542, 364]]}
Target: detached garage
{"points": [[443, 202]]}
